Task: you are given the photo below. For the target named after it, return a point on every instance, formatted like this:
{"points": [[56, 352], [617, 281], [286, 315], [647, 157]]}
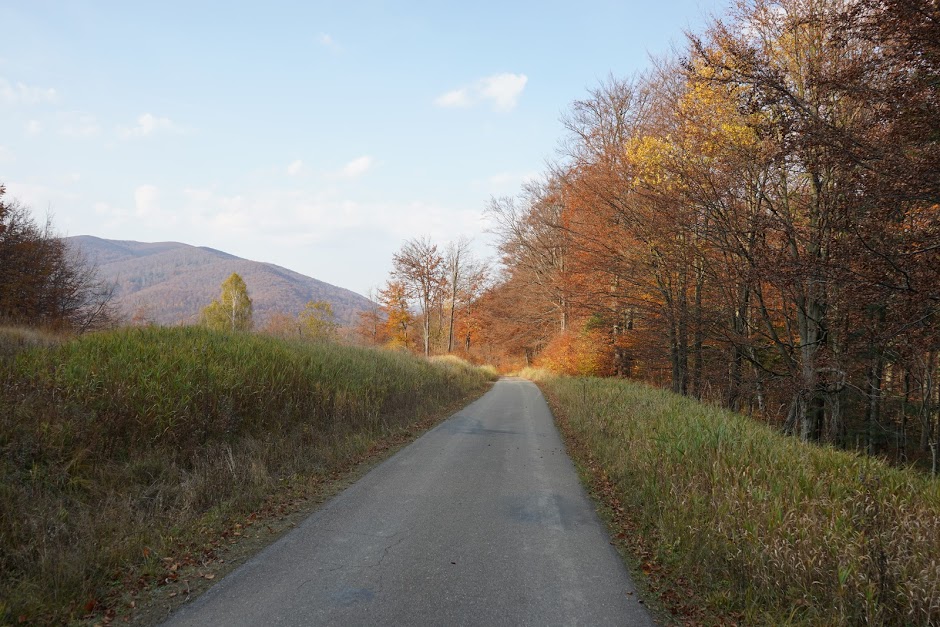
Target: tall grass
{"points": [[14, 340], [763, 526], [113, 446]]}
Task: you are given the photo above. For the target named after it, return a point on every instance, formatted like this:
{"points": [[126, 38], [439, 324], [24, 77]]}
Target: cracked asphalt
{"points": [[481, 521]]}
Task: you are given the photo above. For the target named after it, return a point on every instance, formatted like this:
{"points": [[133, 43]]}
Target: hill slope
{"points": [[170, 282]]}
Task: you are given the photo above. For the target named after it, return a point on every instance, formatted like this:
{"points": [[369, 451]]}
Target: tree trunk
{"points": [[736, 366], [450, 330], [812, 337], [926, 408], [427, 334], [875, 377], [699, 332], [682, 337]]}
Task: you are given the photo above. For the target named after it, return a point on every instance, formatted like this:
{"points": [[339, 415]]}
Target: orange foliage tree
{"points": [[755, 224]]}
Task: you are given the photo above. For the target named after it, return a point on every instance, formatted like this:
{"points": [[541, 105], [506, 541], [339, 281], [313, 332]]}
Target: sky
{"points": [[315, 135]]}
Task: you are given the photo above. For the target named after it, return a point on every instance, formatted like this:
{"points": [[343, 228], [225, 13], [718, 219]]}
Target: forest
{"points": [[752, 222]]}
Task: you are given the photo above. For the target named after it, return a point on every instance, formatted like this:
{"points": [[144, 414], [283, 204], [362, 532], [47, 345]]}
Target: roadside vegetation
{"points": [[739, 522], [117, 448]]}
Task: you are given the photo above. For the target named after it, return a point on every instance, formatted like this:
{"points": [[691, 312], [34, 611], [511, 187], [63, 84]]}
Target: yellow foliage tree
{"points": [[233, 310], [317, 321]]}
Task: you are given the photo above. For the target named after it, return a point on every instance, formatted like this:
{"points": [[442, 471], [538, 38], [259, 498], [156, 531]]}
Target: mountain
{"points": [[169, 282]]}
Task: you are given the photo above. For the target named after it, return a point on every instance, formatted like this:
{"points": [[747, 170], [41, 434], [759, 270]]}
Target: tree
{"points": [[282, 325], [532, 237], [475, 280], [317, 321], [393, 300], [456, 258], [371, 327], [42, 280], [419, 268], [233, 310], [756, 222]]}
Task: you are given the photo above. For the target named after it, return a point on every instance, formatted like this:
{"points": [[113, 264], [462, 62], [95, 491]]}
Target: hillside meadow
{"points": [[736, 523], [118, 448]]}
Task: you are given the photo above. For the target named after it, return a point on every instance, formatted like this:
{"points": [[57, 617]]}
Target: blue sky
{"points": [[314, 135]]}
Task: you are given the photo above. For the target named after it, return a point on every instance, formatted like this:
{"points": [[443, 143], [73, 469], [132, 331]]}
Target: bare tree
{"points": [[455, 260], [420, 268]]}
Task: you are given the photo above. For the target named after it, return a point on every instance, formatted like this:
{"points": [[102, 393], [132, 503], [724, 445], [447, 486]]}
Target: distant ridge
{"points": [[169, 282]]}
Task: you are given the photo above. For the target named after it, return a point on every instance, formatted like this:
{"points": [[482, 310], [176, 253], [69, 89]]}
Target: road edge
{"points": [[152, 606], [630, 548]]}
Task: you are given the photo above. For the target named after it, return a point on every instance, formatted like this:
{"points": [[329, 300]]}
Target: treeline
{"points": [[429, 304], [42, 281], [234, 311], [753, 221]]}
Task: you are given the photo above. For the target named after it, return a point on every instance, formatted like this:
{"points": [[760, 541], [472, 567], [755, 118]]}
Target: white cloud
{"points": [[357, 167], [103, 208], [33, 127], [41, 197], [321, 232], [298, 217], [21, 93], [455, 98], [502, 91], [113, 216], [79, 125], [5, 155], [147, 201], [147, 125], [329, 43], [295, 167]]}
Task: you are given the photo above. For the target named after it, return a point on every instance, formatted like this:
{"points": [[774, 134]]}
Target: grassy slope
{"points": [[755, 525], [116, 448]]}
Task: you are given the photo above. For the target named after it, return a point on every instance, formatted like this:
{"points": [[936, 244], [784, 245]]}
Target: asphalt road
{"points": [[481, 521]]}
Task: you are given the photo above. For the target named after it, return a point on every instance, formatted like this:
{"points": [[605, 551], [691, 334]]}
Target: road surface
{"points": [[481, 521]]}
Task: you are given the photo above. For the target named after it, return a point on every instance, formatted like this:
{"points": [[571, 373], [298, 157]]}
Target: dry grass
{"points": [[116, 448], [761, 526], [14, 340]]}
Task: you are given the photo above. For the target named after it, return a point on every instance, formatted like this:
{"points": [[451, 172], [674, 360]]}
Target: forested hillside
{"points": [[169, 282]]}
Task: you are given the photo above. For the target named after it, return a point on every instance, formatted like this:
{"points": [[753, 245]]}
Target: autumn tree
{"points": [[475, 280], [282, 325], [419, 268], [393, 300], [232, 311], [754, 223], [455, 267], [532, 239], [317, 321], [371, 327], [44, 281]]}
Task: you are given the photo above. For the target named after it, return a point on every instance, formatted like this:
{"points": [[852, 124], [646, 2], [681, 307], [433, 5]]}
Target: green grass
{"points": [[117, 447], [762, 527]]}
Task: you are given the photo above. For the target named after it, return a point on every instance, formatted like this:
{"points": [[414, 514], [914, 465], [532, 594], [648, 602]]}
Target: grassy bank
{"points": [[755, 526], [118, 448]]}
